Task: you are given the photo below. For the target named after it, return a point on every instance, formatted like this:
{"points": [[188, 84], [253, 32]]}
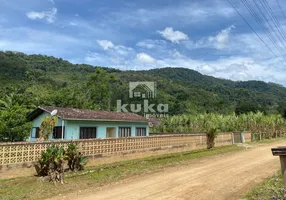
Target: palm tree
{"points": [[7, 102]]}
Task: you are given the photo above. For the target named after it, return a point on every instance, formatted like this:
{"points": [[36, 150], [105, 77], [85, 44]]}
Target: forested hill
{"points": [[32, 80]]}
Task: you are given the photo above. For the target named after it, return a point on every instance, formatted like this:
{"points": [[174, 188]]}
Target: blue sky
{"points": [[207, 35]]}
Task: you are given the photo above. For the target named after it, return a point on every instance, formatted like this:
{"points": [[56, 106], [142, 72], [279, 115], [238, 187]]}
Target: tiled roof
{"points": [[84, 114]]}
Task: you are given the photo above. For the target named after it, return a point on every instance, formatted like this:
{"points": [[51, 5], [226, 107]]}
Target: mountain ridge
{"points": [[186, 90]]}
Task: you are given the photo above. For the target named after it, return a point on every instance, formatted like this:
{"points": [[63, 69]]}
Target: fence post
{"points": [[242, 137], [232, 137], [280, 151]]}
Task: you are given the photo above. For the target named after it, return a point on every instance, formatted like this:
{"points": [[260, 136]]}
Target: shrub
{"points": [[76, 161], [51, 162], [211, 135], [47, 126]]}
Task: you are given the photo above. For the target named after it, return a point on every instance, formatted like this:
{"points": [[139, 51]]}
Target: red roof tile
{"points": [[84, 114]]}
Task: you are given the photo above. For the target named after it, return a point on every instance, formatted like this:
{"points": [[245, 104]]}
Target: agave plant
{"points": [[76, 161], [51, 163]]}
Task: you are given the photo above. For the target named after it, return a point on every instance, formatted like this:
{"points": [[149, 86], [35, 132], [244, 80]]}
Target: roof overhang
{"points": [[34, 114], [105, 120]]}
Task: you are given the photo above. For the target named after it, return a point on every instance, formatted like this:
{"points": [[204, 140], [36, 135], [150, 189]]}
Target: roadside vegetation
{"points": [[263, 126], [272, 188], [34, 187], [51, 165]]}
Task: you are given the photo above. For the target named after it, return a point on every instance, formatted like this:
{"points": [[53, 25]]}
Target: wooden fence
{"points": [[27, 152]]}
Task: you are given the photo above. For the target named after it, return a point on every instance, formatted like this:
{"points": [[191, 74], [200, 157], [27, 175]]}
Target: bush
{"points": [[14, 125], [51, 162], [211, 135], [76, 161]]}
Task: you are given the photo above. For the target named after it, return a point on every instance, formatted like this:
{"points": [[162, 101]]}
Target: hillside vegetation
{"points": [[32, 80]]}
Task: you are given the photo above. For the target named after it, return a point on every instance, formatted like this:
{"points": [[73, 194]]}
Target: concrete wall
{"points": [[247, 136]]}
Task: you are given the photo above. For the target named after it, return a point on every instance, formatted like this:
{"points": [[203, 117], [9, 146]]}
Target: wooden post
{"points": [[281, 152], [283, 168]]}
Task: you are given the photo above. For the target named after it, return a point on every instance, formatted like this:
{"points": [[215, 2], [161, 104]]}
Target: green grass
{"points": [[268, 141], [271, 188], [31, 188]]}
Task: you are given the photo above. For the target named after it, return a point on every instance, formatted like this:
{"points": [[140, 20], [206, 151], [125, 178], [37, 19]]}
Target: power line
{"points": [[274, 20], [255, 32], [259, 21], [281, 9], [276, 25]]}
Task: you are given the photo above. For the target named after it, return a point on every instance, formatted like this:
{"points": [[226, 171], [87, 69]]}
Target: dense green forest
{"points": [[27, 81], [32, 80]]}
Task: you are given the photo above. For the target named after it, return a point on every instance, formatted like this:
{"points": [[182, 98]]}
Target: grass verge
{"points": [[268, 141], [271, 188], [31, 188]]}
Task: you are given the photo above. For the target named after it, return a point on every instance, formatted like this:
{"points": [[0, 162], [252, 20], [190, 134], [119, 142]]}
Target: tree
{"points": [[14, 126], [99, 88], [47, 126], [7, 102]]}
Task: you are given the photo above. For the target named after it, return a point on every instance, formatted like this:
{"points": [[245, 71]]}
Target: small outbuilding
{"points": [[85, 124]]}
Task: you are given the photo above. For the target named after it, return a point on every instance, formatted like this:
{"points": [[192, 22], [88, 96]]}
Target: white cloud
{"points": [[219, 41], [122, 50], [175, 53], [52, 2], [115, 50], [174, 36], [72, 24], [241, 76], [49, 16], [206, 69], [151, 44], [145, 58], [105, 44], [186, 12]]}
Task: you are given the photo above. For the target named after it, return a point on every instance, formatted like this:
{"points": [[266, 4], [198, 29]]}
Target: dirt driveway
{"points": [[218, 177]]}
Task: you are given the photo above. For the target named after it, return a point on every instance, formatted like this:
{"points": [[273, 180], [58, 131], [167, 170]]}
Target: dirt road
{"points": [[218, 177]]}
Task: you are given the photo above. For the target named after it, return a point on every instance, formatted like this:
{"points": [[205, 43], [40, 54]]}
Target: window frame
{"points": [[37, 132], [87, 127], [125, 134], [58, 133], [140, 134]]}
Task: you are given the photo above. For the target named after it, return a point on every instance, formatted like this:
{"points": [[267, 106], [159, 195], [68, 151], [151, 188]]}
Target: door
{"points": [[111, 132]]}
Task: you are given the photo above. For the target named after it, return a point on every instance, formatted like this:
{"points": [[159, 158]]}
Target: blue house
{"points": [[85, 124]]}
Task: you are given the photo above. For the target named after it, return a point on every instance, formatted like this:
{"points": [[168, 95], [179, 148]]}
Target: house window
{"points": [[124, 132], [140, 131], [87, 132], [57, 132], [35, 132]]}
